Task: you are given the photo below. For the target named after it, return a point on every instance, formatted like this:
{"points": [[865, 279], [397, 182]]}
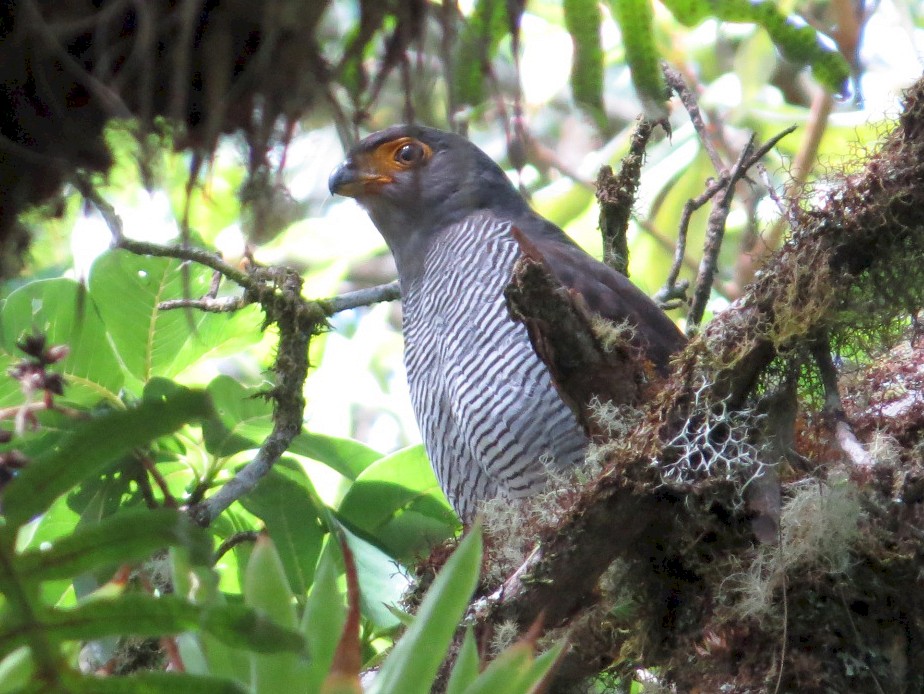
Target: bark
{"points": [[669, 518]]}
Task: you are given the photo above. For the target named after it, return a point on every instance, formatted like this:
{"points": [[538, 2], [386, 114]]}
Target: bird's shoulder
{"points": [[607, 292]]}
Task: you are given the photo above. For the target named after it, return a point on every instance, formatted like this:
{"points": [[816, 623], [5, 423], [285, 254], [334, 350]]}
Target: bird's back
{"points": [[488, 411]]}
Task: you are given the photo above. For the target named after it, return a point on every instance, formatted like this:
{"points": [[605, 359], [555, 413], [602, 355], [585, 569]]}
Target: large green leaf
{"points": [[243, 418], [151, 342], [477, 45], [153, 683], [144, 615], [285, 501], [322, 621], [465, 670], [381, 582], [127, 536], [413, 663], [267, 590], [347, 456], [63, 311], [92, 446], [582, 20], [398, 501]]}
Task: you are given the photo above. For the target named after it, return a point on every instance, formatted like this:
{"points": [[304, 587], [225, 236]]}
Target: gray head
{"points": [[415, 181]]}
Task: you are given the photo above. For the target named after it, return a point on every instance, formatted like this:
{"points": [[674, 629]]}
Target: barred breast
{"points": [[490, 417]]}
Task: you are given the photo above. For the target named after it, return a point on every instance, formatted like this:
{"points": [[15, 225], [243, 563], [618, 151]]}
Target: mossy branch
{"points": [[853, 269]]}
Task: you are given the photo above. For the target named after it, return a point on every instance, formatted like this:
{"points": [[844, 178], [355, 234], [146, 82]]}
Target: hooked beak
{"points": [[353, 181]]}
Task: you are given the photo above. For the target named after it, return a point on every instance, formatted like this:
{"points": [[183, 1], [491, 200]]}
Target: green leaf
{"points": [[284, 500], [506, 673], [10, 392], [347, 456], [151, 342], [797, 41], [92, 446], [636, 22], [153, 683], [147, 616], [243, 417], [266, 590], [126, 537], [322, 621], [380, 581], [476, 47], [465, 671], [398, 501], [15, 670], [516, 670], [582, 20], [413, 663], [62, 310]]}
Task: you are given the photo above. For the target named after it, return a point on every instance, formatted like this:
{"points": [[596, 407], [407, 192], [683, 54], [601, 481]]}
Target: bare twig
{"points": [[672, 289], [235, 540], [361, 297], [119, 240], [279, 293], [715, 230], [750, 261], [676, 82], [226, 304]]}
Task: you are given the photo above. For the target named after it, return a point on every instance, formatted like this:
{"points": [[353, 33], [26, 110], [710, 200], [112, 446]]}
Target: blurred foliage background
{"points": [[549, 96]]}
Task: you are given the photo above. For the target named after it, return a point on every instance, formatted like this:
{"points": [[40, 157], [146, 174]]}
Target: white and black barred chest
{"points": [[490, 417]]}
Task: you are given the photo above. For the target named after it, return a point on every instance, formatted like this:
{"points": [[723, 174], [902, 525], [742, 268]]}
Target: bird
{"points": [[492, 422]]}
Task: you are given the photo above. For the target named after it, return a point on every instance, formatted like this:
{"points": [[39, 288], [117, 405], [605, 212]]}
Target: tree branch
{"points": [[863, 239]]}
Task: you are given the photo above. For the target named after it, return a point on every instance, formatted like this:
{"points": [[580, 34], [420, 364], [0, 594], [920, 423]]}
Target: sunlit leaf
{"points": [[127, 536], [415, 659], [465, 670], [582, 20], [243, 417], [283, 500], [64, 312], [398, 501], [346, 456], [151, 342], [93, 445], [322, 621], [267, 590]]}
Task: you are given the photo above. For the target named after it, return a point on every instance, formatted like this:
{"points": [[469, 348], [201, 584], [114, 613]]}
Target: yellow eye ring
{"points": [[402, 153]]}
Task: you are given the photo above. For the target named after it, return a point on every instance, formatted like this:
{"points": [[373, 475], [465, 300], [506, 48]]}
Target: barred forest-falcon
{"points": [[489, 413]]}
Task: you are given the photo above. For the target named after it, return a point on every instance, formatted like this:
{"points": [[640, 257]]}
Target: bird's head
{"points": [[415, 181]]}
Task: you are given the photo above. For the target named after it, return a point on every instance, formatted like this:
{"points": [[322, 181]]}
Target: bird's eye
{"points": [[411, 153]]}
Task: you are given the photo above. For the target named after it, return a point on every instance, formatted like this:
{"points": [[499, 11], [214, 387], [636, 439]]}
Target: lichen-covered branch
{"points": [[616, 196], [710, 606]]}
